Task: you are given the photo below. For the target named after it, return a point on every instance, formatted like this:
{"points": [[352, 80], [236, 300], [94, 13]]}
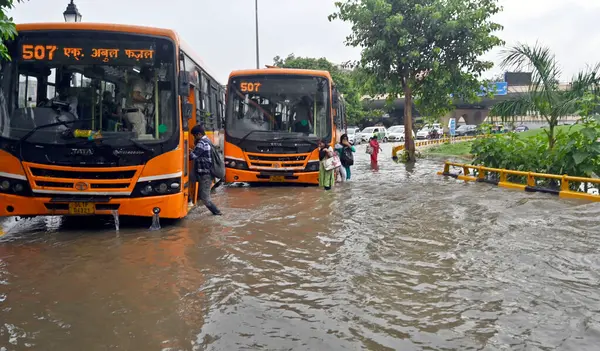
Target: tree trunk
{"points": [[409, 142], [551, 136]]}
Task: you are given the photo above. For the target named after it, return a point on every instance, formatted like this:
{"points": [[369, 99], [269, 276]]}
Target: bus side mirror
{"points": [[184, 84], [335, 98]]}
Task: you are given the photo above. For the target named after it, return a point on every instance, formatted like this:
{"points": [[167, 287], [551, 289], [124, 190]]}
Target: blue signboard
{"points": [[498, 88], [452, 126]]}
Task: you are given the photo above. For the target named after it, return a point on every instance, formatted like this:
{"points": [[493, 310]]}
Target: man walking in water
{"points": [[203, 161]]}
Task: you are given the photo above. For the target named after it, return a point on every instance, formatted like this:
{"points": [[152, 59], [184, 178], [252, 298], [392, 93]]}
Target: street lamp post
{"points": [[256, 20], [71, 14]]}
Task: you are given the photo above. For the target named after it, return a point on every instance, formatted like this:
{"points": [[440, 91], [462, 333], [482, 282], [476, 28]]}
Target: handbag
{"points": [[336, 161], [369, 150], [328, 164]]}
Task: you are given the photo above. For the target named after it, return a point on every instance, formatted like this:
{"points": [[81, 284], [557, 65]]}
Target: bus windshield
{"points": [[278, 105], [61, 86]]}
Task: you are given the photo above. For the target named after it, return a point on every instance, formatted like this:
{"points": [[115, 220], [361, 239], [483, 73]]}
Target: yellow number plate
{"points": [[279, 179], [81, 208]]}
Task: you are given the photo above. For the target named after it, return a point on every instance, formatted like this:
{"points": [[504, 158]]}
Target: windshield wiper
{"points": [[48, 125], [254, 131]]}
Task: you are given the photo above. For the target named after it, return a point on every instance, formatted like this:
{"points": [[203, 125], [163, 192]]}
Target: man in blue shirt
{"points": [[203, 161]]}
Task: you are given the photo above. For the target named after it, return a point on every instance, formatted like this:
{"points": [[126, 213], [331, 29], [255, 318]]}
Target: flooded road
{"points": [[401, 259]]}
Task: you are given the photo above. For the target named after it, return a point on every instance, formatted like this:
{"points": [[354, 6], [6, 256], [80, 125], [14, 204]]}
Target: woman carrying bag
{"points": [[326, 166]]}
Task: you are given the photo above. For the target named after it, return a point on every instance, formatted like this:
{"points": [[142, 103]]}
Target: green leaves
{"points": [[545, 97], [426, 48], [576, 152], [579, 156], [7, 27]]}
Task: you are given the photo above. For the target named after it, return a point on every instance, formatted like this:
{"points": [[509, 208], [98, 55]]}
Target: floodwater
{"points": [[401, 259]]}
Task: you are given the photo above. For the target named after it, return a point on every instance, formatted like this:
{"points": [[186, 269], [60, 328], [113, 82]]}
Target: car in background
{"points": [[396, 133], [423, 133], [368, 132], [352, 133], [428, 128], [466, 129], [521, 129]]}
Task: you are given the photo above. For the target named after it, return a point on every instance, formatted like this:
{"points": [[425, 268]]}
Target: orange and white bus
{"points": [[274, 120], [95, 118]]}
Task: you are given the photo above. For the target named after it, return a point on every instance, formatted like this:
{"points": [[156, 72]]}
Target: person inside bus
{"points": [[140, 101], [110, 111], [303, 116], [63, 90]]}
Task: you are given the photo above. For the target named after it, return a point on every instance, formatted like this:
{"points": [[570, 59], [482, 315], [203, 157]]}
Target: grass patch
{"points": [[462, 149], [534, 132]]}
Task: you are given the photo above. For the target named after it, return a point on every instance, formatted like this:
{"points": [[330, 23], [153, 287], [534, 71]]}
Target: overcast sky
{"points": [[222, 32]]}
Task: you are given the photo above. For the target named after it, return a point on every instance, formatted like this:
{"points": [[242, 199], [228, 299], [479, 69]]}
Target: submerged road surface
{"points": [[401, 259]]}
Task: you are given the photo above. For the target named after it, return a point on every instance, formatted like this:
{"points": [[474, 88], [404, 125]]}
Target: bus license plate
{"points": [[81, 208], [279, 179]]}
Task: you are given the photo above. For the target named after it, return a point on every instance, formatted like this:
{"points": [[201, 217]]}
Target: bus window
{"points": [[280, 104], [81, 82], [205, 96], [27, 91]]}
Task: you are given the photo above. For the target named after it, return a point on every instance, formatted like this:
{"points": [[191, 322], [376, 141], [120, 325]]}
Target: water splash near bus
{"points": [[115, 214]]}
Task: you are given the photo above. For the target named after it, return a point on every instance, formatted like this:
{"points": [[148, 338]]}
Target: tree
{"points": [[423, 48], [7, 27], [343, 79], [544, 95]]}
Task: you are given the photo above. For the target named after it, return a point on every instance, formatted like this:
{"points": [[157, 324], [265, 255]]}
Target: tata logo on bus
{"points": [[127, 152], [81, 186], [276, 165], [82, 152]]}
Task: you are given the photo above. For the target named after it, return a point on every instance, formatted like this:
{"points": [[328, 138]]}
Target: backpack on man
{"points": [[217, 167]]}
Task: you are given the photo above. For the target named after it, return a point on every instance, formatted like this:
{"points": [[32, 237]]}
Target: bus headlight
{"points": [[162, 188], [14, 186], [147, 190], [157, 187], [236, 164], [312, 166]]}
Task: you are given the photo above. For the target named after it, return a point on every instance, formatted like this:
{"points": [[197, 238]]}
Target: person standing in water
{"points": [[344, 147], [376, 148], [201, 155], [326, 177]]}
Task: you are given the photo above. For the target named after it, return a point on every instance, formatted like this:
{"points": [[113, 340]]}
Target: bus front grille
{"points": [[262, 161], [75, 174]]}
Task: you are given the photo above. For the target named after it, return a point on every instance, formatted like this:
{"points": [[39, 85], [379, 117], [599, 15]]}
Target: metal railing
{"points": [[564, 186]]}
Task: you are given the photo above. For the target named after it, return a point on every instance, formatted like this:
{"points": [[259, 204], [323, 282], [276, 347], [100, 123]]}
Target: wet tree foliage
{"points": [[7, 26], [422, 49]]}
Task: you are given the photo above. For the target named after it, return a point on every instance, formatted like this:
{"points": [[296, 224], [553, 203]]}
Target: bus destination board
{"points": [[115, 53]]}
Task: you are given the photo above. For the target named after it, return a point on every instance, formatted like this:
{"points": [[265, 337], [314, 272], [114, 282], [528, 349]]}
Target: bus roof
{"points": [[278, 70], [122, 28], [99, 26]]}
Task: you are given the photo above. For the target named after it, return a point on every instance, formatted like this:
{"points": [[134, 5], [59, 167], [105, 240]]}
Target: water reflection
{"points": [[401, 259]]}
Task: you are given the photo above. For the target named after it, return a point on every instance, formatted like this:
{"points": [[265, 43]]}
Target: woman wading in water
{"points": [[326, 177]]}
